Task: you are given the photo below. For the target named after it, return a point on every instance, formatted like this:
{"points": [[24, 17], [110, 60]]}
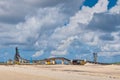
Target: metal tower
{"points": [[95, 57], [17, 55]]}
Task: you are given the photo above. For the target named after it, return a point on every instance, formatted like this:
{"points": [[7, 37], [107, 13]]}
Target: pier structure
{"points": [[54, 59]]}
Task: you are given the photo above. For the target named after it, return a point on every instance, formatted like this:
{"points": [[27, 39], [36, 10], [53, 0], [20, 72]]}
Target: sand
{"points": [[60, 72]]}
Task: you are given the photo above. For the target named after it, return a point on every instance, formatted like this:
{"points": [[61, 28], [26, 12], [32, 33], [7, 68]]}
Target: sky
{"points": [[74, 29]]}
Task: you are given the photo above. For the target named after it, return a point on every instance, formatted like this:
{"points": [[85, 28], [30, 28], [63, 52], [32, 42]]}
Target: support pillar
{"points": [[62, 61], [46, 62], [53, 61]]}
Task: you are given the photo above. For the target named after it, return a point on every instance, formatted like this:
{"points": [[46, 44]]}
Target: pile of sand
{"points": [[60, 72]]}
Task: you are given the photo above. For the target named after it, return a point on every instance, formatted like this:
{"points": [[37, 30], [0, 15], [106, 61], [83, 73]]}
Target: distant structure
{"points": [[53, 60], [10, 62], [95, 57], [17, 57], [48, 61], [79, 62]]}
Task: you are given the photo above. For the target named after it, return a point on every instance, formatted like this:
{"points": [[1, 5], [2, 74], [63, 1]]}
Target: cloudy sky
{"points": [[69, 28]]}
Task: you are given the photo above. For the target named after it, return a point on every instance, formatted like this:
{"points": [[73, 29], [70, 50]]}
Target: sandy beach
{"points": [[60, 72]]}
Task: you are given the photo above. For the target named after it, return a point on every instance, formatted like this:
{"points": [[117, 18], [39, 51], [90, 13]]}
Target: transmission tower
{"points": [[95, 57]]}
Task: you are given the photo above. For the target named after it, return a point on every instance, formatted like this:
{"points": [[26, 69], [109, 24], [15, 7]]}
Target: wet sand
{"points": [[60, 72]]}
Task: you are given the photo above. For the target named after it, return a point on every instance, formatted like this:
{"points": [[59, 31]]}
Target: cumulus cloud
{"points": [[29, 24], [94, 27], [38, 53], [78, 23], [105, 22], [116, 10], [107, 37], [62, 48], [12, 11], [60, 26]]}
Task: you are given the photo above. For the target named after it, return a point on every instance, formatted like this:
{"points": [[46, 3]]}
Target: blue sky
{"points": [[51, 28]]}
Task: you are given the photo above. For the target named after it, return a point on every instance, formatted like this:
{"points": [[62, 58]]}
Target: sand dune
{"points": [[60, 72]]}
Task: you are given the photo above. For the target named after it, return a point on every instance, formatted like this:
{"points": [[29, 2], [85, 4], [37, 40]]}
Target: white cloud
{"points": [[116, 9], [109, 54], [34, 29], [39, 22], [77, 25], [39, 25], [12, 11], [38, 53], [63, 46]]}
